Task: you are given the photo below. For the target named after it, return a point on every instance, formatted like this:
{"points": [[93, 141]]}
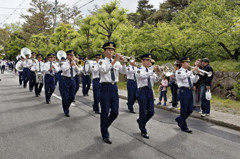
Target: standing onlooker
{"points": [[205, 84], [197, 89], [163, 90], [173, 85]]}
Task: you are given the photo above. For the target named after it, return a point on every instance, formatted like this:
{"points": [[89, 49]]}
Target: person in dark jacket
{"points": [[205, 84]]}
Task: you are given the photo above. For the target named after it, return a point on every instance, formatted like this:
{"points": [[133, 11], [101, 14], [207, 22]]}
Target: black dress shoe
{"points": [[187, 131], [138, 121], [48, 102], [108, 140], [67, 115], [97, 112], [145, 135], [178, 123], [87, 95], [132, 111]]}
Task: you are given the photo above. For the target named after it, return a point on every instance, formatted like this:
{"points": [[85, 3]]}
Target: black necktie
{"points": [[39, 67], [112, 72], [134, 74], [71, 71], [51, 67], [189, 81], [149, 82]]}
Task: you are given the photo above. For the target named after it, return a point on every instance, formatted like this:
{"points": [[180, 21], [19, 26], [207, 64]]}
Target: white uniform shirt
{"points": [[105, 70], [3, 63], [182, 77], [142, 76], [46, 67], [95, 70], [130, 72], [84, 71], [66, 69], [38, 67], [27, 63]]}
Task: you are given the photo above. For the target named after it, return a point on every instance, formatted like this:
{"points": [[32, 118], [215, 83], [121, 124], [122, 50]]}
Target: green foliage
{"points": [[237, 89], [62, 38]]}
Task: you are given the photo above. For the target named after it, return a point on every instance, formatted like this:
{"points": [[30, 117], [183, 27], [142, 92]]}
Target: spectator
{"points": [[205, 84], [197, 90], [163, 90]]}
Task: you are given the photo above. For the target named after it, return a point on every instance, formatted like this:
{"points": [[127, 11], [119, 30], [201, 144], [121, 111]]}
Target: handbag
{"points": [[208, 95]]}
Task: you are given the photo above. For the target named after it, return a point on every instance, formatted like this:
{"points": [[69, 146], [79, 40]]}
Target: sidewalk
{"points": [[218, 118]]}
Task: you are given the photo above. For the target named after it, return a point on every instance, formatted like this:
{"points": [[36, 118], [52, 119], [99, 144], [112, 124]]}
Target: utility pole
{"points": [[55, 16]]}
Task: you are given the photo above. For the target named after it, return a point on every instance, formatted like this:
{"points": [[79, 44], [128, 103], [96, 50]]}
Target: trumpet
{"points": [[202, 72]]}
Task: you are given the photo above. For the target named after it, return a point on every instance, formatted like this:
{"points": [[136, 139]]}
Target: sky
{"points": [[9, 13]]}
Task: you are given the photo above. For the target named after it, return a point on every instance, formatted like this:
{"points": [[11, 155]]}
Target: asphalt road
{"points": [[31, 129]]}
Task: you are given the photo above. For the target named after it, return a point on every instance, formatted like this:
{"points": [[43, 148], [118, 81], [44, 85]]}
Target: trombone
{"points": [[209, 74]]}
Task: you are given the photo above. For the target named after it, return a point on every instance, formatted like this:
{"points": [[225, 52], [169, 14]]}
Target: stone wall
{"points": [[223, 84]]}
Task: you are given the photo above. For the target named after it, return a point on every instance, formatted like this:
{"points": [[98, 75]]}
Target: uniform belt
{"points": [[49, 74], [67, 77], [185, 88], [132, 80], [112, 83], [144, 87]]}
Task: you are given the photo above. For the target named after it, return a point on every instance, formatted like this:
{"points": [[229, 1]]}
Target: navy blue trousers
{"points": [[174, 90], [38, 88], [49, 86], [68, 93], [86, 83], [132, 93], [186, 101], [32, 79], [146, 107], [25, 76], [77, 82], [59, 77], [3, 69], [20, 75], [96, 93], [109, 101]]}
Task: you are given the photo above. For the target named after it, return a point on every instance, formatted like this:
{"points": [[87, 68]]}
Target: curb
{"points": [[197, 116]]}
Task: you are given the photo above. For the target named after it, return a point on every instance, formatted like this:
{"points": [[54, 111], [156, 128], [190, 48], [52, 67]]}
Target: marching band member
{"points": [[86, 79], [145, 93], [32, 75], [19, 66], [185, 80], [109, 76], [3, 65], [69, 71], [54, 60], [173, 85], [49, 80], [26, 65], [38, 69], [59, 76], [96, 84], [77, 77], [131, 86]]}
